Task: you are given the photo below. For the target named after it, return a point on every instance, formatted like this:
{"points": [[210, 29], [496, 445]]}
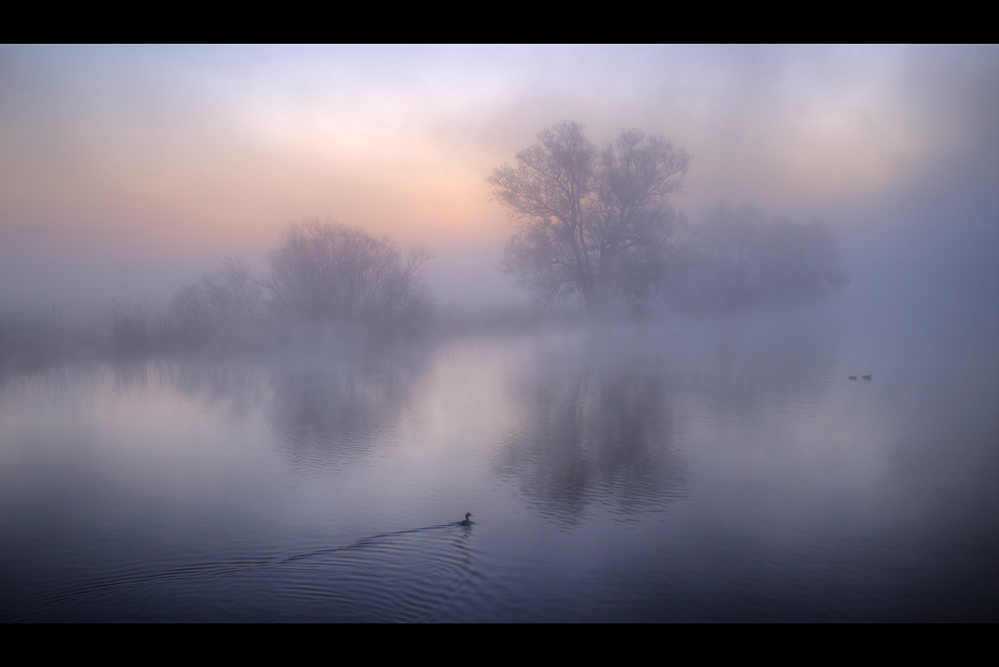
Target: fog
{"points": [[126, 171], [601, 266]]}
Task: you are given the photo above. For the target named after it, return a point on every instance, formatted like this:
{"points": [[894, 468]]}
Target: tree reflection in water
{"points": [[327, 406], [595, 424], [333, 410], [601, 417]]}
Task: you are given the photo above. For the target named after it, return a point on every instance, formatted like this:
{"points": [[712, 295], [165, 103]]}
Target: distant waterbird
{"points": [[466, 522], [867, 377], [853, 377]]}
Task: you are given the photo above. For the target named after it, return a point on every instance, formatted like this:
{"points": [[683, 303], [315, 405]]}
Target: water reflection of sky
{"points": [[664, 473]]}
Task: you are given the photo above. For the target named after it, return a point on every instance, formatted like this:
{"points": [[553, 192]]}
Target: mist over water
{"points": [[687, 471], [258, 358]]}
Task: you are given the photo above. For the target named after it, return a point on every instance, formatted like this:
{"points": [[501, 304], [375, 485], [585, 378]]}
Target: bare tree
{"points": [[325, 271], [736, 259], [592, 225], [800, 263], [230, 296], [727, 242]]}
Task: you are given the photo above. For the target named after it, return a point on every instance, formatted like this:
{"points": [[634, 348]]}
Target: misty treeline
{"points": [[596, 229], [737, 259], [595, 232], [324, 274], [324, 280]]}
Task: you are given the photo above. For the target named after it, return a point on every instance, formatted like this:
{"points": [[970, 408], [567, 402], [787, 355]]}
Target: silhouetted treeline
{"points": [[37, 338], [326, 281], [222, 302], [326, 272], [324, 275], [596, 230], [735, 259]]}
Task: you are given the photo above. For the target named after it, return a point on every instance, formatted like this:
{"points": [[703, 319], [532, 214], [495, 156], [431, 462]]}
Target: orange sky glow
{"points": [[184, 151]]}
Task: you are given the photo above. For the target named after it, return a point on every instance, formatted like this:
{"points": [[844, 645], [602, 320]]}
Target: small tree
{"points": [[226, 298], [800, 264], [325, 271], [736, 259], [725, 249], [592, 225]]}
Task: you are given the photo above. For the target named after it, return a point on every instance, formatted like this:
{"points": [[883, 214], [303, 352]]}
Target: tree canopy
{"points": [[592, 225], [227, 299], [326, 271], [735, 258]]}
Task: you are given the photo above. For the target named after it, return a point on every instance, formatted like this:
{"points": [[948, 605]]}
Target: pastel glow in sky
{"points": [[173, 151]]}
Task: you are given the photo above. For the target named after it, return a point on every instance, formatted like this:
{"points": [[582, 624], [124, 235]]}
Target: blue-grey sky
{"points": [[122, 165]]}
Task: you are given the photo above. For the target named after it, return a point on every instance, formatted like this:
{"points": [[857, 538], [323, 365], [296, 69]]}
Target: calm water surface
{"points": [[724, 472]]}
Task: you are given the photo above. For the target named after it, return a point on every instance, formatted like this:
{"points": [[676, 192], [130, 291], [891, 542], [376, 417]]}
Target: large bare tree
{"points": [[591, 225]]}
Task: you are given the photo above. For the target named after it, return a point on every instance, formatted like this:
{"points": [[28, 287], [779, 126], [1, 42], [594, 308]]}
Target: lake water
{"points": [[722, 472]]}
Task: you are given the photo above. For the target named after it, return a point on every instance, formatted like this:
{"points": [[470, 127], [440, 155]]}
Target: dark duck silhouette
{"points": [[466, 522]]}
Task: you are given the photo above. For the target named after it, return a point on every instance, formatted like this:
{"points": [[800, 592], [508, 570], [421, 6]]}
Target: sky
{"points": [[125, 171]]}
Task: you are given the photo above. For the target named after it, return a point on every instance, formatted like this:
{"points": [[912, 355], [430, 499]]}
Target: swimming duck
{"points": [[867, 377], [853, 377], [466, 522]]}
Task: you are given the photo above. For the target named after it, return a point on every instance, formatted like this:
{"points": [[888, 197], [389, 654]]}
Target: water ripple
{"points": [[406, 576]]}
